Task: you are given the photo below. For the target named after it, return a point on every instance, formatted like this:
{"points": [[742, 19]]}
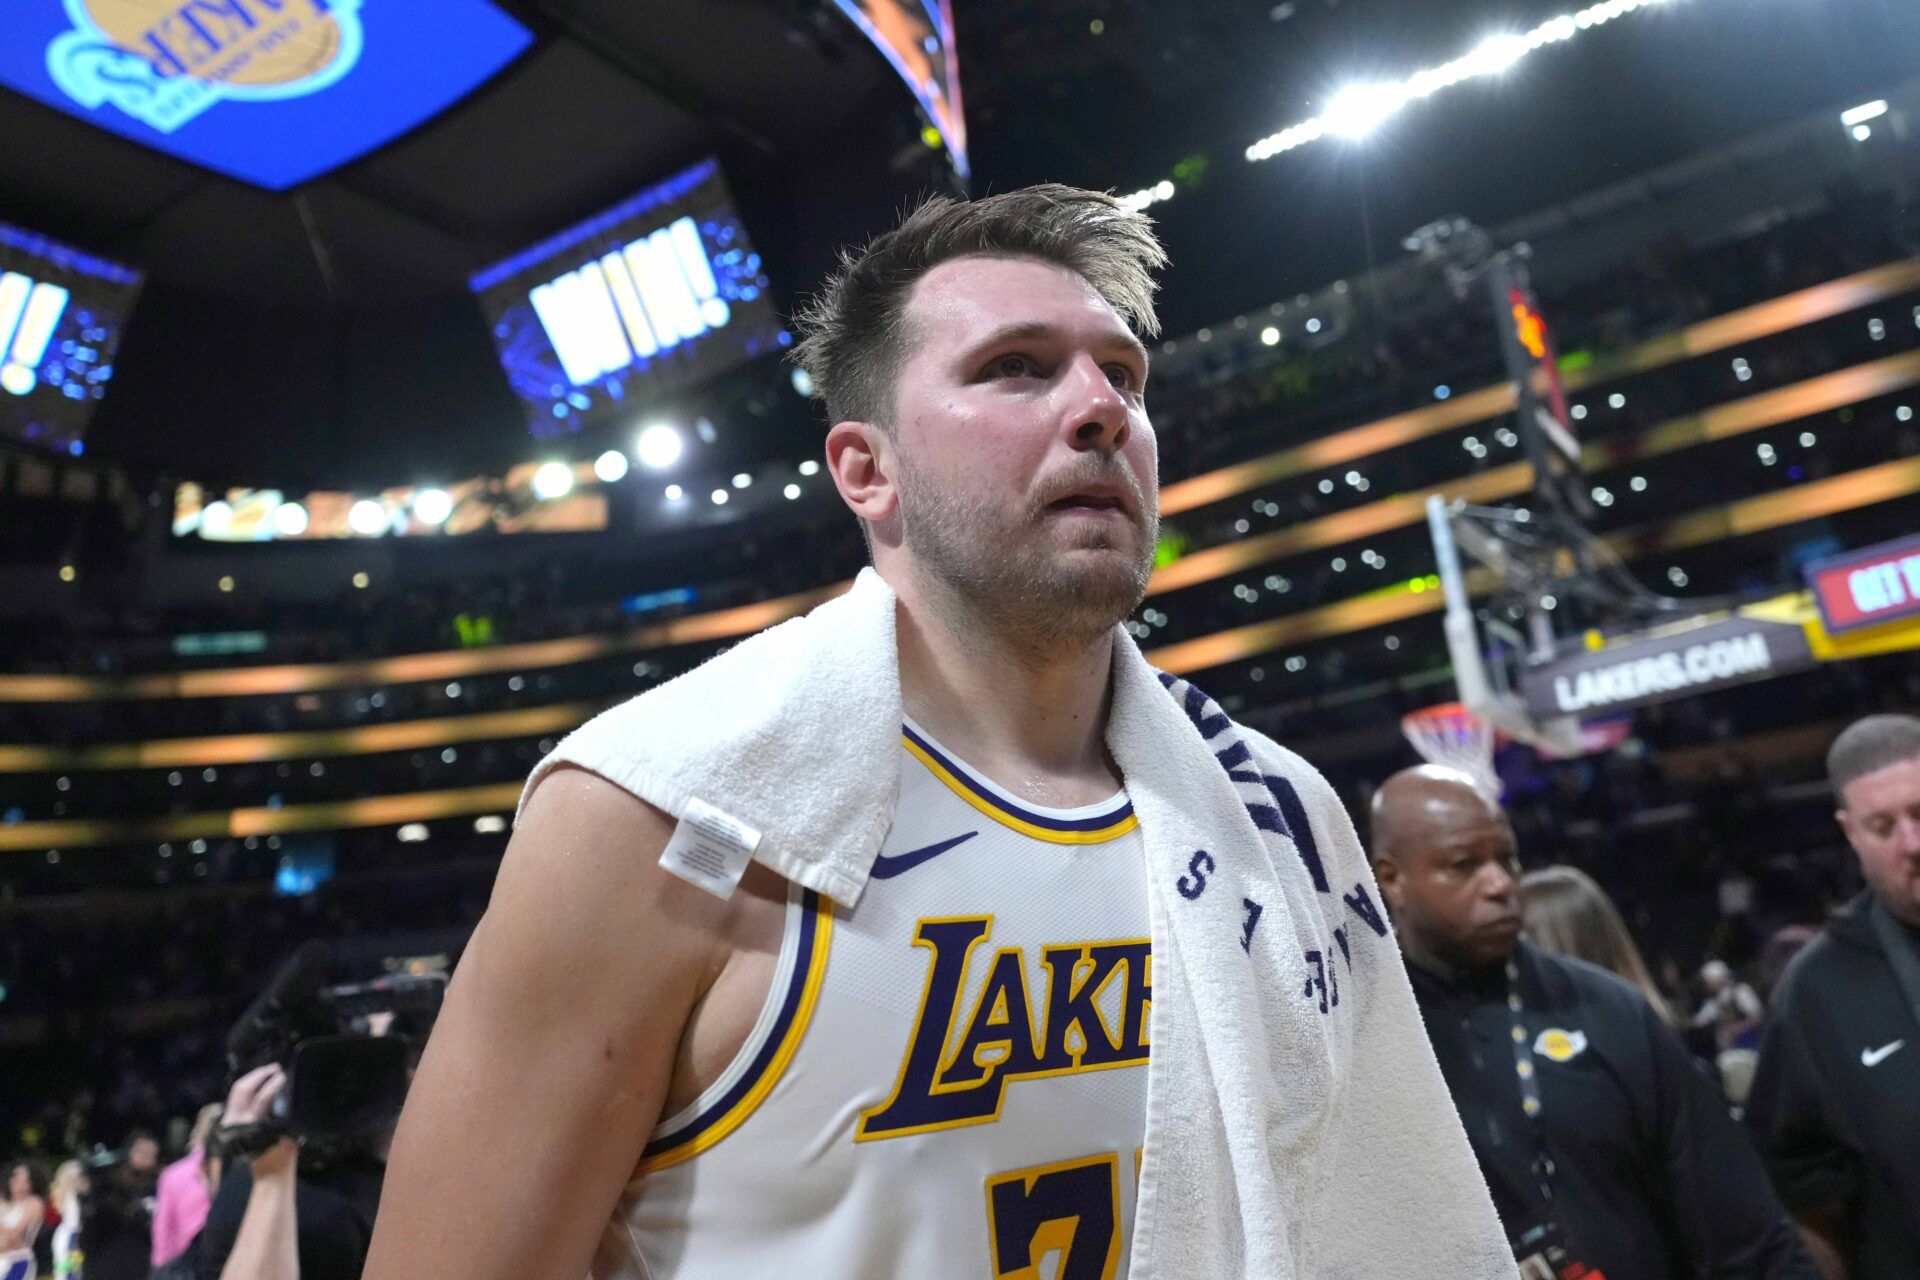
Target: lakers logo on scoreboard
{"points": [[1560, 1046], [165, 63]]}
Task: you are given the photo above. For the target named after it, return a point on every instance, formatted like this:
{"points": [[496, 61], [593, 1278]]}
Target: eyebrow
{"points": [[1028, 330]]}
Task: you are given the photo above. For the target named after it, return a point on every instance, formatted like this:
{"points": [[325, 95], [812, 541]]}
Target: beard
{"points": [[1035, 586]]}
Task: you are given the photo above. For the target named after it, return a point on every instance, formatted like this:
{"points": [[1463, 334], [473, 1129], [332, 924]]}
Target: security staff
{"points": [[1608, 1152], [1836, 1096]]}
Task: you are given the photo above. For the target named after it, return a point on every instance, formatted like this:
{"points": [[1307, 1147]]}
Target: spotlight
{"points": [[720, 497], [675, 493], [1864, 112], [216, 520], [611, 467], [1270, 336], [810, 467], [432, 506], [741, 480], [792, 491], [803, 382], [290, 519], [368, 518], [553, 480], [1359, 109], [659, 446]]}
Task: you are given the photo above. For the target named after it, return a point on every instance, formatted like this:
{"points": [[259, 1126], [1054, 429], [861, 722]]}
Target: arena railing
{"points": [[1397, 603]]}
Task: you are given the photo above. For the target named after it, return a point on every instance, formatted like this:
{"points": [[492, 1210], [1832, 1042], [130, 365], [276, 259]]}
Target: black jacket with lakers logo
{"points": [[1836, 1097], [1651, 1176]]}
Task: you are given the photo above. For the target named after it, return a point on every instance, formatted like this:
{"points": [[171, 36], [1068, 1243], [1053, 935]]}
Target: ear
{"points": [[1845, 820], [860, 458], [1386, 872]]}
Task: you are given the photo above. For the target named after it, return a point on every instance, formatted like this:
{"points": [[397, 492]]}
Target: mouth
{"points": [[1094, 501]]}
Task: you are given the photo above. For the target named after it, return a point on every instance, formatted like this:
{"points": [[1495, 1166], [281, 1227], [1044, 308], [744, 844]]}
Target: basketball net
{"points": [[1452, 736]]}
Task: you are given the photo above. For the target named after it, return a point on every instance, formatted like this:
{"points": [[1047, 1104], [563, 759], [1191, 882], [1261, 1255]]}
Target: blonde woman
{"points": [[69, 1183], [1567, 912]]}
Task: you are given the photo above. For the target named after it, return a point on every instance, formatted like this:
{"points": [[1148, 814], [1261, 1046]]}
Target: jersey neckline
{"points": [[1088, 824]]}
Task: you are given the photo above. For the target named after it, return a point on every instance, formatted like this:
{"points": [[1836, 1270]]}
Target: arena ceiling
{"points": [[326, 334]]}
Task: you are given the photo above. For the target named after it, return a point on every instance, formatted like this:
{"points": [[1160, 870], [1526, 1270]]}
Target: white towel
{"points": [[1297, 1124]]}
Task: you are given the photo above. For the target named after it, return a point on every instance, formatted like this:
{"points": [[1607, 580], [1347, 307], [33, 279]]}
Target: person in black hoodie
{"points": [[116, 1220], [1836, 1094], [1608, 1151]]}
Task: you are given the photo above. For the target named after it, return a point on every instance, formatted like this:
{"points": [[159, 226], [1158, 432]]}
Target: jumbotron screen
{"points": [[61, 315], [657, 293]]}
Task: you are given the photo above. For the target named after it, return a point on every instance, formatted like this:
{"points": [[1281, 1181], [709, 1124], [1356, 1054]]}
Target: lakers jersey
{"points": [[946, 1081]]}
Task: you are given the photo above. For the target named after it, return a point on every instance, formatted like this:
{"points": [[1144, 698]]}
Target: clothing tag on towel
{"points": [[710, 849]]}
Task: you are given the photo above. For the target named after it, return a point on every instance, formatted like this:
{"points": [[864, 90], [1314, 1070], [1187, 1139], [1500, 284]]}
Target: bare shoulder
{"points": [[556, 1043]]}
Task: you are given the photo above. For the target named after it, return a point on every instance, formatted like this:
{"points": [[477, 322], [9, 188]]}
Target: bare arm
{"points": [[267, 1244], [17, 1237], [1820, 1233], [553, 1053]]}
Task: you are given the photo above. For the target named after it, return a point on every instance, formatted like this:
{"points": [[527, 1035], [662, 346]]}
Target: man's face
{"points": [[1880, 812], [1454, 882], [1027, 472], [143, 1155]]}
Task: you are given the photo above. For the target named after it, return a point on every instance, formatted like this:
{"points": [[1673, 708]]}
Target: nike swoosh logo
{"points": [[886, 868], [1874, 1057]]}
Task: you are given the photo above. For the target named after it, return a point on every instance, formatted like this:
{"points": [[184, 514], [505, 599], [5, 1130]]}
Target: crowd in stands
{"points": [[121, 967]]}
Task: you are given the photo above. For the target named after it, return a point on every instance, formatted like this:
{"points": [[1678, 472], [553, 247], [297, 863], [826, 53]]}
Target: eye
{"points": [[1012, 366], [1122, 377]]}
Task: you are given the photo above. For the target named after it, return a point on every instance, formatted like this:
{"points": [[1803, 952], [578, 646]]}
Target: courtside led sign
{"points": [[272, 92], [1868, 587]]}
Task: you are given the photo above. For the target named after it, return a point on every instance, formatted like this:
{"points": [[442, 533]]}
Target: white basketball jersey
{"points": [[947, 1082]]}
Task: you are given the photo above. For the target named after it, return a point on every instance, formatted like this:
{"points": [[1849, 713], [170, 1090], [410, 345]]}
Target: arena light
{"points": [[1864, 112], [611, 467], [367, 517], [432, 506], [1149, 196], [803, 382], [1357, 110], [216, 520], [675, 493], [552, 480], [659, 446], [811, 467], [290, 519]]}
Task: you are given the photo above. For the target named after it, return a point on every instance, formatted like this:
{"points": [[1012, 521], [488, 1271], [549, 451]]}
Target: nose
{"points": [[1098, 416], [1499, 883], [1907, 834]]}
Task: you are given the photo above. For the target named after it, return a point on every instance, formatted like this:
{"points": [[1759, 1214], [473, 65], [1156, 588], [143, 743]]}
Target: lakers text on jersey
{"points": [[946, 1082]]}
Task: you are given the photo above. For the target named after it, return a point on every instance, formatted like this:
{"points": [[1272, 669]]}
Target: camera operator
{"points": [[259, 1229], [319, 1076], [116, 1232]]}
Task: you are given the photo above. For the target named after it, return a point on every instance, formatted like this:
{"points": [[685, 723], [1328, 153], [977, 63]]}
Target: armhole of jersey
{"points": [[725, 1104]]}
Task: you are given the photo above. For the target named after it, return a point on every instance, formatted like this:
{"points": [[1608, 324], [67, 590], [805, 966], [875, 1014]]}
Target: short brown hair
{"points": [[853, 333], [1870, 745]]}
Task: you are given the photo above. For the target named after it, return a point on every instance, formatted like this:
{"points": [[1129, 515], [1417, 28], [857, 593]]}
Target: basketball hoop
{"points": [[1454, 737]]}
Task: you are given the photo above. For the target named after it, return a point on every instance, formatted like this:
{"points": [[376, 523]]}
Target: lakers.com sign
{"points": [[273, 92], [167, 64], [1650, 669]]}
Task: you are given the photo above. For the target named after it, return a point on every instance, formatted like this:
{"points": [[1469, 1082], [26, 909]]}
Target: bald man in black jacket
{"points": [[1601, 1140]]}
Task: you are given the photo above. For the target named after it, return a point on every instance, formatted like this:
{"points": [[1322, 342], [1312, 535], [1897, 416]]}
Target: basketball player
{"points": [[949, 1079]]}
